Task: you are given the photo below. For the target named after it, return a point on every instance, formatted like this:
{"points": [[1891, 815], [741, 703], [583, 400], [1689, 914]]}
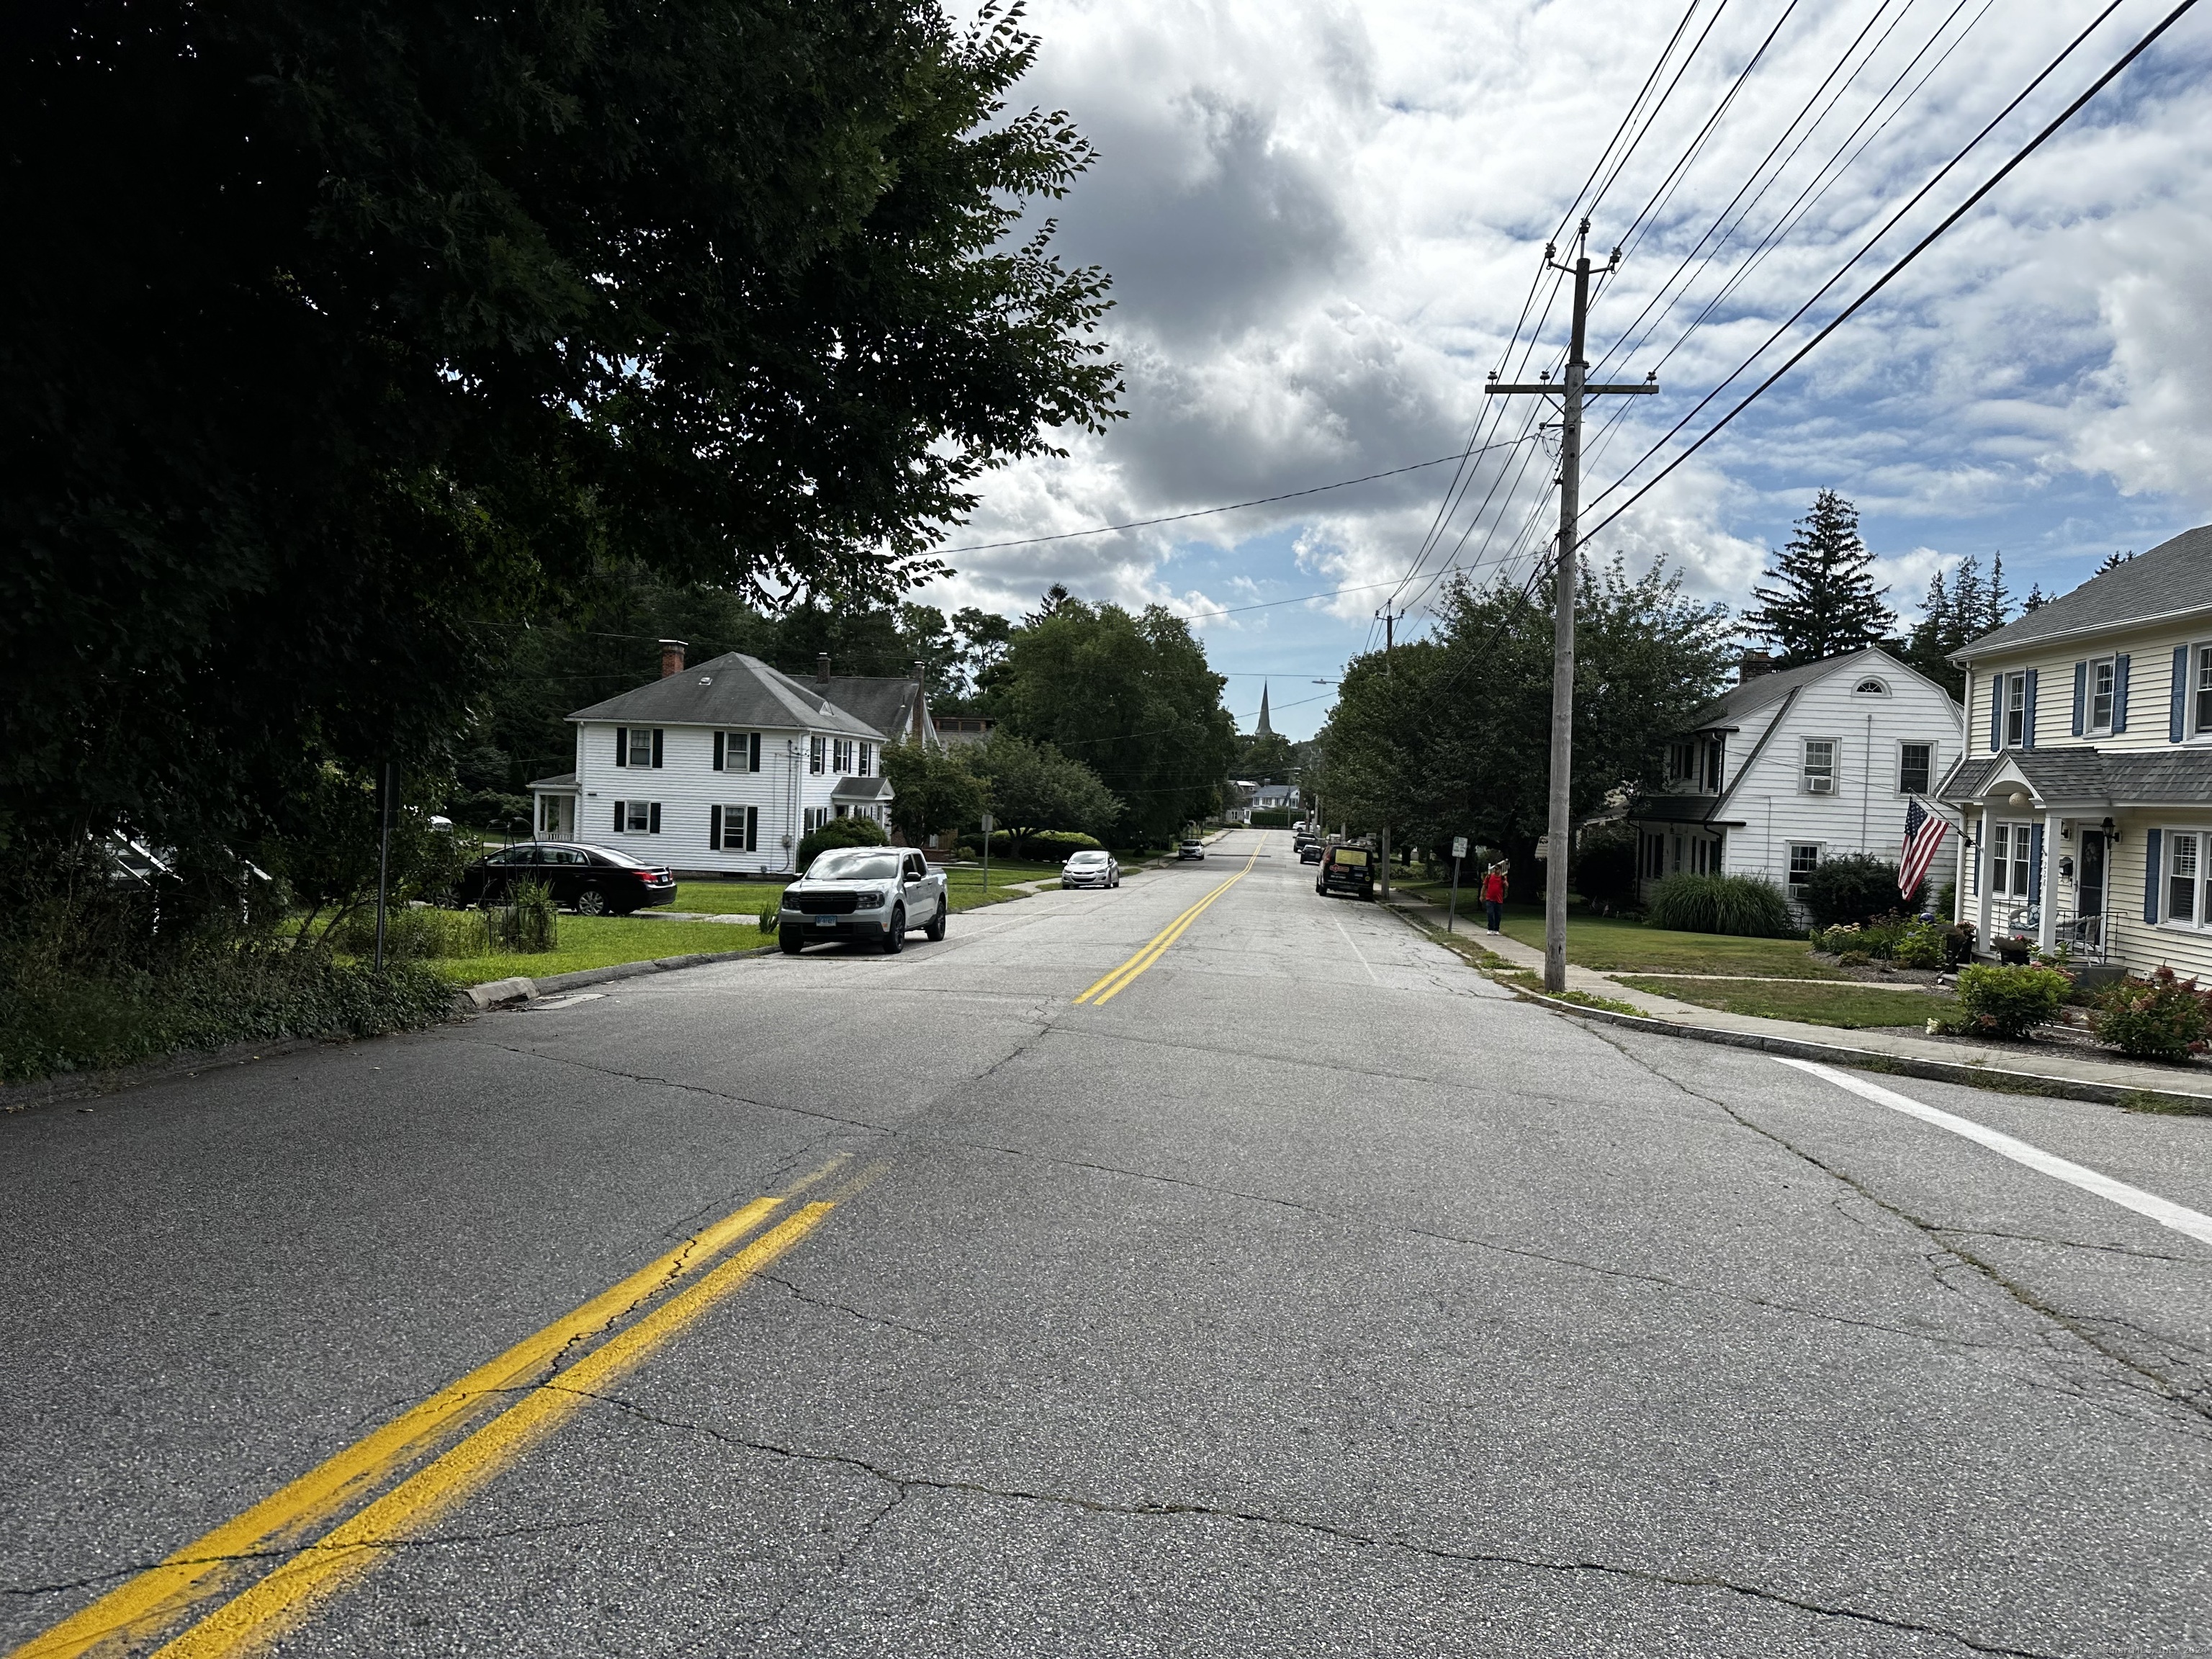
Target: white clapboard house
{"points": [[1794, 766], [723, 766]]}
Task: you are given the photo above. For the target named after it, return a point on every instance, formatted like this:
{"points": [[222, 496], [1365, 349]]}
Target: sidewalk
{"points": [[2112, 1081]]}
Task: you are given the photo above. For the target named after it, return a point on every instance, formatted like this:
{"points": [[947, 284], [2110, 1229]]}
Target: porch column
{"points": [[1981, 889], [2046, 927]]}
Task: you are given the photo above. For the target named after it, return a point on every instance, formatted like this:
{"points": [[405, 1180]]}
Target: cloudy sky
{"points": [[1323, 222]]}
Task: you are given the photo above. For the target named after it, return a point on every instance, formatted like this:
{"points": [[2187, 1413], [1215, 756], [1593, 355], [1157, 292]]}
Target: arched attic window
{"points": [[1870, 688]]}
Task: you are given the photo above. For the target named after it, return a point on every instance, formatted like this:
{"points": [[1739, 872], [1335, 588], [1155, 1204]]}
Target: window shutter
{"points": [[2179, 700], [621, 745], [652, 819], [2035, 864], [753, 758], [2120, 692], [718, 751], [2081, 694], [2153, 847], [2027, 725], [752, 828], [1997, 712], [656, 730], [621, 808], [714, 828]]}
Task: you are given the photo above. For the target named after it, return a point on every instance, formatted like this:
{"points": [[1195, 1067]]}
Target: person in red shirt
{"points": [[1493, 895]]}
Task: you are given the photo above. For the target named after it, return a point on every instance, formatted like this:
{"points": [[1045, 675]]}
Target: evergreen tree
{"points": [[1998, 604], [2112, 562], [1931, 636], [1824, 603], [2035, 600]]}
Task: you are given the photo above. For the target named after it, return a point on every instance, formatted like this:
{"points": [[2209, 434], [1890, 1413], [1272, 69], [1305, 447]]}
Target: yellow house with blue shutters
{"points": [[2087, 788]]}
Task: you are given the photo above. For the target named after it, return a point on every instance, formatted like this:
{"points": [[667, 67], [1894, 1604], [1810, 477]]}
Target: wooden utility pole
{"points": [[1563, 622], [1389, 635]]}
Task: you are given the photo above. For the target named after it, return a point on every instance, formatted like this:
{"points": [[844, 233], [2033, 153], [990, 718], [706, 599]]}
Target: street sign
{"points": [[1543, 846], [1459, 847], [989, 823]]}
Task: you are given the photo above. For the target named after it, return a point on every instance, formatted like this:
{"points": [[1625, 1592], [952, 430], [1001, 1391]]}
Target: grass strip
{"points": [[1847, 1006]]}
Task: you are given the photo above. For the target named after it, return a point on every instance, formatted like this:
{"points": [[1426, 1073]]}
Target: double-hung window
{"points": [[2010, 863], [1916, 763], [1804, 859], [1681, 764], [841, 760], [867, 755], [2183, 876], [2203, 699], [816, 748], [1820, 766], [2015, 687], [2102, 672], [640, 746]]}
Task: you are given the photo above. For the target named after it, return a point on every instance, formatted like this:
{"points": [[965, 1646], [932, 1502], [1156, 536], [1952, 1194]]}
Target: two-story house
{"points": [[1794, 766], [718, 767], [2087, 792]]}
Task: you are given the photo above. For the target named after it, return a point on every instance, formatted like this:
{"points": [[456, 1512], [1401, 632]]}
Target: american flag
{"points": [[1923, 834]]}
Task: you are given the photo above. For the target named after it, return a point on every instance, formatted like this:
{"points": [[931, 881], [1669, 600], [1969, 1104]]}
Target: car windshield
{"points": [[854, 864], [1088, 858]]}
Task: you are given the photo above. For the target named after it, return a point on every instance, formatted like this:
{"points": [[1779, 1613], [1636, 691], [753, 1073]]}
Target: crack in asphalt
{"points": [[847, 1308], [2080, 1327], [905, 1483], [2074, 1244]]}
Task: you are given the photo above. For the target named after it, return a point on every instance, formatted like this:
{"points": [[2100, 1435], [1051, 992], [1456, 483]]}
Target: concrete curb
{"points": [[506, 993], [1872, 1060]]}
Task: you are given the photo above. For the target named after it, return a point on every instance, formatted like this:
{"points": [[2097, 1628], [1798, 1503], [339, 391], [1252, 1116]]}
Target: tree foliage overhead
{"points": [[1452, 735], [350, 325], [1823, 602]]}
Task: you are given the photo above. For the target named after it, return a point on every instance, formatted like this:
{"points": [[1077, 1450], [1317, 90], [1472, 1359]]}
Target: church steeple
{"points": [[1264, 730]]}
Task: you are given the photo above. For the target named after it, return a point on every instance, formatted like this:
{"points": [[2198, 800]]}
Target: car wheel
{"points": [[791, 939], [935, 930], [591, 902], [894, 940]]}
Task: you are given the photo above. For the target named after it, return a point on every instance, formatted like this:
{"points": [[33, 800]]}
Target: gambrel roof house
{"points": [[2087, 788], [723, 767], [1792, 767]]}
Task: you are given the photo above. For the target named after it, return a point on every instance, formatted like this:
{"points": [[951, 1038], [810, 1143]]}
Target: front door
{"points": [[2089, 887]]}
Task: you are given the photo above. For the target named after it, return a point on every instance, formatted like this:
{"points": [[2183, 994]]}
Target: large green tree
{"points": [[1822, 601], [336, 331], [1131, 697], [1032, 787]]}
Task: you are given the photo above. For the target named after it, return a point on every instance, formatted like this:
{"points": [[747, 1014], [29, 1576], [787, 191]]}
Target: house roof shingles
{"points": [[886, 703], [731, 690], [2172, 578], [2116, 777]]}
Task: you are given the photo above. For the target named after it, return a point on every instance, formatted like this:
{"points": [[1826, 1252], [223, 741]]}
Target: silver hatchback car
{"points": [[1091, 867]]}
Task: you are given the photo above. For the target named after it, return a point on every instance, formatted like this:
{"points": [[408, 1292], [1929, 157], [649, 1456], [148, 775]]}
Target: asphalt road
{"points": [[1306, 1296]]}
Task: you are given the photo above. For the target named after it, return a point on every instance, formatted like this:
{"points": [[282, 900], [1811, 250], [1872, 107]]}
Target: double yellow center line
{"points": [[522, 1396], [1156, 947]]}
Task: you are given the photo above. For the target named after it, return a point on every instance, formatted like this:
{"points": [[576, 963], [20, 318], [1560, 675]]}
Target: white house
{"points": [[1795, 766], [720, 766]]}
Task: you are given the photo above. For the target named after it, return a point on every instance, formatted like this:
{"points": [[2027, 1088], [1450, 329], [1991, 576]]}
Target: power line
{"points": [[1918, 248]]}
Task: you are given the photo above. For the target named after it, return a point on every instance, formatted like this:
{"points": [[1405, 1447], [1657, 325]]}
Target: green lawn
{"points": [[602, 942], [1610, 945], [1849, 1006], [727, 898]]}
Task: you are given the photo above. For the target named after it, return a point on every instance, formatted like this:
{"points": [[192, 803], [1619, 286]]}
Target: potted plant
{"points": [[2013, 950]]}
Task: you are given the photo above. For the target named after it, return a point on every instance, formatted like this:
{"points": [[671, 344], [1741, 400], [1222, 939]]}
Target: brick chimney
{"points": [[1753, 665], [822, 666], [671, 657]]}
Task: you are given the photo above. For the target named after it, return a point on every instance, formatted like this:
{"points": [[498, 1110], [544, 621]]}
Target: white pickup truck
{"points": [[873, 895]]}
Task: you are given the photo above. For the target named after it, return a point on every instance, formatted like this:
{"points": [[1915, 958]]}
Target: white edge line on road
{"points": [[2183, 1219], [1356, 952]]}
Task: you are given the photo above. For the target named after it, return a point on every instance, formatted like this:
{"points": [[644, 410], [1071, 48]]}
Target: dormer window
{"points": [[1870, 688]]}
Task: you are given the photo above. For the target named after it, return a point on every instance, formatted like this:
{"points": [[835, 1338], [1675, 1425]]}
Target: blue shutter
{"points": [[2026, 725], [2180, 701], [619, 805], [718, 751], [2080, 693], [621, 745], [2153, 845], [1978, 864], [1997, 712], [714, 828], [2120, 692], [2035, 864], [656, 734]]}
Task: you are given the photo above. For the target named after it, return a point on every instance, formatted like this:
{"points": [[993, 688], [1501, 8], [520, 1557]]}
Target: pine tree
{"points": [[1824, 603], [2112, 562], [2035, 600], [1998, 609]]}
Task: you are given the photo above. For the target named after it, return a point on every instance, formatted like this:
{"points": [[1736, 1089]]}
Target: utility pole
{"points": [[1563, 620], [1389, 625]]}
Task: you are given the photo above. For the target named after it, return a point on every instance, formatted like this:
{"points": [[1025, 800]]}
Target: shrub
{"points": [[855, 832], [1271, 817], [528, 923], [1920, 947], [1854, 887], [2009, 1002], [1853, 959], [1745, 905], [1045, 844], [1604, 869], [1947, 902], [2161, 1017], [414, 934]]}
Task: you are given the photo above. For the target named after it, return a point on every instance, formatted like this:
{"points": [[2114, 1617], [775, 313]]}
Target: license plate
{"points": [[825, 921]]}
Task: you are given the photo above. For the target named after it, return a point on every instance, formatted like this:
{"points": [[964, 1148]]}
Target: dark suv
{"points": [[594, 881], [1346, 870]]}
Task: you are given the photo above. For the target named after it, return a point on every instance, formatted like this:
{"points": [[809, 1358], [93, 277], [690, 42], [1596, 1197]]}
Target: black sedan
{"points": [[592, 880]]}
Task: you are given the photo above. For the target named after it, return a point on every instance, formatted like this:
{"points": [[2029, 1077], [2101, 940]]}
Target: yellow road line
{"points": [[211, 1565], [264, 1614], [1119, 981]]}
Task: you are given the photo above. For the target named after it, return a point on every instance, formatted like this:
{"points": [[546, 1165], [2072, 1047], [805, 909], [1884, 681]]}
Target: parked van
{"points": [[1346, 870]]}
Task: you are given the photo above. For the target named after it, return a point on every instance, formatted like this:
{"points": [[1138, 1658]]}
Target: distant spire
{"points": [[1264, 729]]}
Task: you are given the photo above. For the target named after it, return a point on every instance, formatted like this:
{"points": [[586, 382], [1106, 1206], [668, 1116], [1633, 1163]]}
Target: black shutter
{"points": [[714, 828], [752, 747], [621, 745], [2027, 730], [1997, 712], [619, 806], [718, 749], [2178, 703], [652, 819], [656, 746], [752, 827]]}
